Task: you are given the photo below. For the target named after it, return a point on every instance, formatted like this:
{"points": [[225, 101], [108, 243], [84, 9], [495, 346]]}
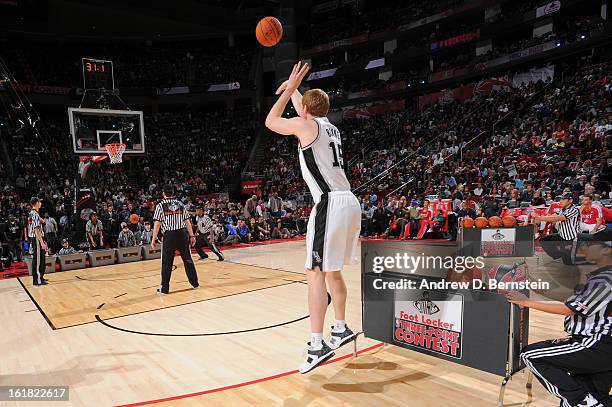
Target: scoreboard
{"points": [[98, 74]]}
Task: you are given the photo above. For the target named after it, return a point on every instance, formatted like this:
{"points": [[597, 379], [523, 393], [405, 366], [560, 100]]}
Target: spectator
{"points": [[146, 235], [66, 248], [126, 237]]}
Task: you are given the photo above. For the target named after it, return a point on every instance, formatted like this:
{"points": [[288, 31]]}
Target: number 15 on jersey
{"points": [[337, 152]]}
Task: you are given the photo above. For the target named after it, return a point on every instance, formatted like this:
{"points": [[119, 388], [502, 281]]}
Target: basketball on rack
{"points": [[495, 221], [509, 221], [481, 222], [468, 222], [269, 31]]}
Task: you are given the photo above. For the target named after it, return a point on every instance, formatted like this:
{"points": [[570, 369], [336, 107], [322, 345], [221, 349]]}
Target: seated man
{"points": [[66, 248], [578, 369], [126, 237], [281, 232], [263, 229], [438, 222], [591, 216], [254, 230]]}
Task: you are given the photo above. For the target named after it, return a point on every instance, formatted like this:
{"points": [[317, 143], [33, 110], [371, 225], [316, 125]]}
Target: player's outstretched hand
{"points": [[297, 75], [281, 88]]}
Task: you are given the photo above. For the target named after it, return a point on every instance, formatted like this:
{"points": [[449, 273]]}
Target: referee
{"points": [[37, 243], [204, 226], [578, 369], [562, 244], [172, 218]]}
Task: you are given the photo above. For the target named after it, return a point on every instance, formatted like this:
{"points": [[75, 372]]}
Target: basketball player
{"points": [[172, 218], [38, 246], [335, 222]]}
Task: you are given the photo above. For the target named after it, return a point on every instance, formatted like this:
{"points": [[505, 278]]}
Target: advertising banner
{"points": [[498, 242], [549, 8], [322, 74], [41, 89], [464, 92], [458, 39], [544, 74], [433, 322], [251, 187]]}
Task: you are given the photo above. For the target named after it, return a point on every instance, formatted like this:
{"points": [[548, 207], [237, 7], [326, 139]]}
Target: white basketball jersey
{"points": [[321, 161]]}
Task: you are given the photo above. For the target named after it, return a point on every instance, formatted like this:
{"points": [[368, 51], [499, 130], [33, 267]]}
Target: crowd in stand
{"points": [[209, 149], [347, 21], [122, 222], [556, 137]]}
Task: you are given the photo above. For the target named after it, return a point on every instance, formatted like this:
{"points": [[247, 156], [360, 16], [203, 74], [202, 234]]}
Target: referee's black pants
{"points": [[176, 240], [201, 241], [556, 247], [38, 262], [570, 368]]}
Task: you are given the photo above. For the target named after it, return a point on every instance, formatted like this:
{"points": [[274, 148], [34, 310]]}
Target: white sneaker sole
{"points": [[319, 362]]}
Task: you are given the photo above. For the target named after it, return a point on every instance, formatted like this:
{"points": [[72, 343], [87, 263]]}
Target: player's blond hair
{"points": [[316, 102]]}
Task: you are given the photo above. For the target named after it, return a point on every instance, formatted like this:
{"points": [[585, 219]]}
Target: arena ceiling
{"points": [[137, 19]]}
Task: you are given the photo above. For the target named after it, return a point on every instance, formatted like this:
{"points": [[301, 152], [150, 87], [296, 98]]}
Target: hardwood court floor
{"points": [[76, 297], [107, 367]]}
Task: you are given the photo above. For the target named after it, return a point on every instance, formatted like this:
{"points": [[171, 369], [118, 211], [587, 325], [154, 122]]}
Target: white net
{"points": [[115, 152]]}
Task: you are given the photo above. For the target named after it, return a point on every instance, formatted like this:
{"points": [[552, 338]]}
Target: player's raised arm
{"points": [[296, 96], [275, 121]]}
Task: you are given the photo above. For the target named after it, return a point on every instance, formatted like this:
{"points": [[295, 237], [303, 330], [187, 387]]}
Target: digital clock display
{"points": [[98, 74]]}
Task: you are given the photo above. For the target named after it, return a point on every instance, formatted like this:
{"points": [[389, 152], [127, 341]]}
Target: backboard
{"points": [[91, 129]]}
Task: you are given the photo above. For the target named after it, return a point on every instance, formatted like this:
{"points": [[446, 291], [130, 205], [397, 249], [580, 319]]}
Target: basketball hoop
{"points": [[115, 152]]}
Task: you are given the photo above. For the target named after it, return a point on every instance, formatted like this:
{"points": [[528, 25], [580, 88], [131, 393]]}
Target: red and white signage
{"points": [[434, 325]]}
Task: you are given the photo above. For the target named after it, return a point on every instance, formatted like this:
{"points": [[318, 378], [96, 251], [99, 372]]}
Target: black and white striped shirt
{"points": [[34, 222], [171, 213], [204, 224], [568, 229], [592, 304]]}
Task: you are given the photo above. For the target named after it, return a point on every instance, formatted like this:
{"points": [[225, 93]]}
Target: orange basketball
{"points": [[495, 221], [481, 222], [269, 31], [134, 219], [509, 221], [468, 222]]}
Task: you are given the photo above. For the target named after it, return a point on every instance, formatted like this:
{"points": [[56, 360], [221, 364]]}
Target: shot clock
{"points": [[98, 74]]}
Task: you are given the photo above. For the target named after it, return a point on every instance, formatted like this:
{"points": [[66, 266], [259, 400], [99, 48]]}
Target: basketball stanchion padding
{"points": [[150, 254], [49, 263], [102, 257], [72, 261], [129, 254]]}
